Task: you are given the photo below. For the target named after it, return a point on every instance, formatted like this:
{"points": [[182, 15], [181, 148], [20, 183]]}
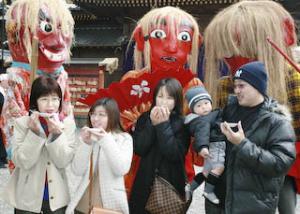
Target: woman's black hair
{"points": [[43, 86], [174, 89]]}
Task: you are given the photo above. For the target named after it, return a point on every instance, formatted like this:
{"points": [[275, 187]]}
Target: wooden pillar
{"points": [[101, 77]]}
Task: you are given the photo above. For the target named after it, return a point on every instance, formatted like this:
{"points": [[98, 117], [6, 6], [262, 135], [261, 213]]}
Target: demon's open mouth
{"points": [[168, 59], [57, 56]]}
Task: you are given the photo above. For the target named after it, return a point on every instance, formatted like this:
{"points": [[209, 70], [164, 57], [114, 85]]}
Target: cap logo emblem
{"points": [[238, 73]]}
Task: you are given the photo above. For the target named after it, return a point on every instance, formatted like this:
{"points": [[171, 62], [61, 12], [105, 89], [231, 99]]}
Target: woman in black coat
{"points": [[160, 139]]}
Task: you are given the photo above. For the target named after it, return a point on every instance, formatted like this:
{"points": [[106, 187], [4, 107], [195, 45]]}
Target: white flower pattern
{"points": [[138, 90]]}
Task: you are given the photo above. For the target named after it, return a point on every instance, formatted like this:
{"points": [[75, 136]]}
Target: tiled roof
{"points": [[151, 3], [82, 15], [99, 36]]}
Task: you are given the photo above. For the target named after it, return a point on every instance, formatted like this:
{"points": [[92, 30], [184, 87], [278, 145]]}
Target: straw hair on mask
{"points": [[242, 30]]}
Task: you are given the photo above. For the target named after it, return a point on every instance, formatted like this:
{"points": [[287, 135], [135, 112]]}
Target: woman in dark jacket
{"points": [[161, 141]]}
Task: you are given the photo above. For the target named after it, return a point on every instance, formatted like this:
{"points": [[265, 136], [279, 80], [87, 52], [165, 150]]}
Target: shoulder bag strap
{"points": [[91, 183]]}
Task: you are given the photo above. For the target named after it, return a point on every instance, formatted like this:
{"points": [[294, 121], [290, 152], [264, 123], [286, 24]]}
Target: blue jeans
{"points": [[287, 196]]}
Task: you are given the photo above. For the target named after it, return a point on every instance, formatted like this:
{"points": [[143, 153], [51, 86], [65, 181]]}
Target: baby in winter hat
{"points": [[199, 100], [203, 124]]}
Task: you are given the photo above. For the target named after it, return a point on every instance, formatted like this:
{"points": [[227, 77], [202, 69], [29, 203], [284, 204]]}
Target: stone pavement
{"points": [[4, 208], [197, 207]]}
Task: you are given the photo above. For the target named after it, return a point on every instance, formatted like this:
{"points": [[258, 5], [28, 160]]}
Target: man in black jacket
{"points": [[260, 149]]}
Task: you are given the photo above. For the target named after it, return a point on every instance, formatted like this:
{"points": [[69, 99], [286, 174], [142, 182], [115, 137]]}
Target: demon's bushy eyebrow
{"points": [[44, 16], [164, 22]]}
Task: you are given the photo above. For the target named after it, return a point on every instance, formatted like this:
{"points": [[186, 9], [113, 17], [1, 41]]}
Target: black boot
{"points": [[209, 188], [197, 181]]}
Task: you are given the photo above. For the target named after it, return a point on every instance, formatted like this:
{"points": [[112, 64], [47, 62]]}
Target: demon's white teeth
{"points": [[54, 56]]}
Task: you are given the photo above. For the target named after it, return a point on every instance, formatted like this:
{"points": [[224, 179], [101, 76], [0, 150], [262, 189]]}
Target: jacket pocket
{"points": [[267, 201], [270, 184]]}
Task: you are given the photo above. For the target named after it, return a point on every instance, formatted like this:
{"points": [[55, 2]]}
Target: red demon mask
{"points": [[53, 44]]}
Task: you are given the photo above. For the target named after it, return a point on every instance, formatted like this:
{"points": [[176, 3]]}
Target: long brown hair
{"points": [[112, 111]]}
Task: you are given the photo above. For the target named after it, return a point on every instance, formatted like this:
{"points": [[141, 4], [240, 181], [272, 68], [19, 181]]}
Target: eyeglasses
{"points": [[98, 114], [47, 100]]}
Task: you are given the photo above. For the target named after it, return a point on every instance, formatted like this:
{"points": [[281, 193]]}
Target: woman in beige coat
{"points": [[111, 151], [43, 145]]}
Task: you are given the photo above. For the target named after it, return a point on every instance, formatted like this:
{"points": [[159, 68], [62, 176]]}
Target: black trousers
{"points": [[288, 196], [45, 210]]}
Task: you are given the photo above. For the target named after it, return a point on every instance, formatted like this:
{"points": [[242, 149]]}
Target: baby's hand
{"points": [[204, 153]]}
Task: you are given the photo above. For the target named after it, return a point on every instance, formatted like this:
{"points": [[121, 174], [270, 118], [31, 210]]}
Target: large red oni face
{"points": [[170, 48], [53, 46]]}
